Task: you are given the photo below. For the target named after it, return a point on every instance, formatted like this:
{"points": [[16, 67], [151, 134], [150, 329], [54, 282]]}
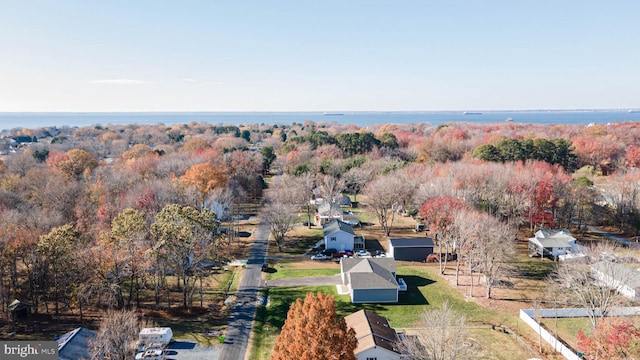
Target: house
{"points": [[370, 280], [552, 243], [18, 310], [340, 236], [376, 338], [74, 345], [624, 280], [410, 249], [327, 212]]}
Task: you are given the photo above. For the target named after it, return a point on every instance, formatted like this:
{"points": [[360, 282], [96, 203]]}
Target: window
{"points": [[333, 238]]}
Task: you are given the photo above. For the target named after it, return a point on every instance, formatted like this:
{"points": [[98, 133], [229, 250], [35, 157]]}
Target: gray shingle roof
{"points": [[74, 345], [335, 226], [411, 242], [370, 273]]}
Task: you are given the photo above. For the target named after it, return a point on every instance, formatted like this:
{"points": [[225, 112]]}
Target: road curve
{"points": [[244, 309]]}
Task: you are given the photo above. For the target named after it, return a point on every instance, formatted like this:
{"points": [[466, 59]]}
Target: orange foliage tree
{"points": [[312, 331], [204, 177], [73, 163]]}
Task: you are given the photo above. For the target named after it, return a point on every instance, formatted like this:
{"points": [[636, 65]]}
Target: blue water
{"points": [[361, 119]]}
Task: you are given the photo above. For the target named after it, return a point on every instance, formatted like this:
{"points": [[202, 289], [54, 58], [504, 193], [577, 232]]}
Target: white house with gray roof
{"points": [[552, 243], [338, 235], [370, 280]]}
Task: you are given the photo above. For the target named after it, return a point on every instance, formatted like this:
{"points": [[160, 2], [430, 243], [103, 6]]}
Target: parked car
{"points": [[265, 267], [363, 253], [329, 252], [320, 257]]}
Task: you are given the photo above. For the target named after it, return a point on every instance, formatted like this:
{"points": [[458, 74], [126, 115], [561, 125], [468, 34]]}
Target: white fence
{"points": [[529, 315]]}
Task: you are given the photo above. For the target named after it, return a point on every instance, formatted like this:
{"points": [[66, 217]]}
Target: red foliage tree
{"points": [[312, 331], [440, 212], [612, 340], [544, 203]]}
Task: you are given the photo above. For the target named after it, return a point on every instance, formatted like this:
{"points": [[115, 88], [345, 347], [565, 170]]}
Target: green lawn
{"points": [[424, 293], [283, 272]]}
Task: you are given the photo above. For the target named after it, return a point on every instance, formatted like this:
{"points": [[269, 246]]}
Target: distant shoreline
{"points": [[364, 119]]}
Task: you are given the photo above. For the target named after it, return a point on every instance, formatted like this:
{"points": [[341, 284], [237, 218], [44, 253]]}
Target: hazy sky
{"points": [[270, 55]]}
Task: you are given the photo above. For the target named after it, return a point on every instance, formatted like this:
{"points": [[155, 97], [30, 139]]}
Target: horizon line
{"points": [[318, 111]]}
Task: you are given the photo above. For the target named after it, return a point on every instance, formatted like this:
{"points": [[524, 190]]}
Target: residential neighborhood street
{"points": [[243, 311]]}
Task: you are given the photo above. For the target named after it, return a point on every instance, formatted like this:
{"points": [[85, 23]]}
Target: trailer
{"points": [[162, 335]]}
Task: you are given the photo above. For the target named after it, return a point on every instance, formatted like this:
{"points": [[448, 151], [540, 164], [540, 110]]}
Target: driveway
{"points": [[619, 239], [187, 350], [305, 281]]}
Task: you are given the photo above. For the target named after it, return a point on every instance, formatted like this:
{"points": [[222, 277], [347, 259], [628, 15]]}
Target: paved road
{"points": [[244, 309], [619, 239]]}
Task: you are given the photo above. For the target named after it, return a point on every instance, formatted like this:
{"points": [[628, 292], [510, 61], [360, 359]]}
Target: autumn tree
{"points": [[73, 163], [127, 242], [442, 336], [58, 250], [204, 177], [612, 339], [439, 212], [117, 336], [184, 236], [312, 331]]}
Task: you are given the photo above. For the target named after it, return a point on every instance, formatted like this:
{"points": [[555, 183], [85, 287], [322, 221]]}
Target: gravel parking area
{"points": [[187, 350]]}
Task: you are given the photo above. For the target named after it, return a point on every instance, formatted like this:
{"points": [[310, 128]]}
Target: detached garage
{"points": [[410, 249]]}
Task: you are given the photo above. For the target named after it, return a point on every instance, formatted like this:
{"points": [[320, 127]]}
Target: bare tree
{"points": [[442, 336], [592, 285], [280, 218], [355, 179], [493, 250], [116, 338], [384, 196]]}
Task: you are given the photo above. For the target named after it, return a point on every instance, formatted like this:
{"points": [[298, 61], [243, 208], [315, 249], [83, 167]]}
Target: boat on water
{"points": [[471, 113], [633, 111], [332, 114], [508, 119]]}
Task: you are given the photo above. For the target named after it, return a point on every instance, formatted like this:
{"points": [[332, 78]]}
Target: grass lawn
{"points": [[425, 292], [284, 272]]}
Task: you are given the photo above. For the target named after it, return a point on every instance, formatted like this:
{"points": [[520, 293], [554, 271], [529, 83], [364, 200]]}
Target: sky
{"points": [[348, 55]]}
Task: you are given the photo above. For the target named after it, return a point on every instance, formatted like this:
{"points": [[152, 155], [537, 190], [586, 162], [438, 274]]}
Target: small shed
{"points": [[19, 310], [410, 249]]}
